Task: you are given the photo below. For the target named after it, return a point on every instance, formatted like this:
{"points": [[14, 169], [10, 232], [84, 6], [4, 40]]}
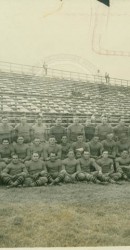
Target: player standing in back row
{"points": [[75, 129]]}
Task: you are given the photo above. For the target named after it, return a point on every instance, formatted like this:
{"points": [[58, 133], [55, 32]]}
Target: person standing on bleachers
{"points": [[39, 130], [103, 129], [58, 130], [23, 129], [74, 129], [6, 130]]}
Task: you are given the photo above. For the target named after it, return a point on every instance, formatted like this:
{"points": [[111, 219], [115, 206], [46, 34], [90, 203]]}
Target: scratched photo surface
{"points": [[64, 123]]}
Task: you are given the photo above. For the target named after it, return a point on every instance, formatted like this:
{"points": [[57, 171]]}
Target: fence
{"points": [[70, 75]]}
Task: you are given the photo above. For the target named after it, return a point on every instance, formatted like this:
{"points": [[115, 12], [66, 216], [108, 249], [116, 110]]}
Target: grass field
{"points": [[71, 215]]}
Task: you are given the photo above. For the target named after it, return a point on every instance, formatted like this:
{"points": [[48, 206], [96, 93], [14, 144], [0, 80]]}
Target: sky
{"points": [[69, 35]]}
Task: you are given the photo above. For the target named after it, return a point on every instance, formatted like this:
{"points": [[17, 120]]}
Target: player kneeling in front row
{"points": [[14, 173], [107, 173], [70, 168], [54, 166], [89, 169], [37, 174]]}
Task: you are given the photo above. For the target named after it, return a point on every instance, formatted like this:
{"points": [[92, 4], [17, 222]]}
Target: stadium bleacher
{"points": [[53, 96]]}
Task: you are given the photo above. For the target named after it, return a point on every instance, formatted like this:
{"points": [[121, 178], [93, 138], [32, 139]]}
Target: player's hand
{"points": [[100, 173]]}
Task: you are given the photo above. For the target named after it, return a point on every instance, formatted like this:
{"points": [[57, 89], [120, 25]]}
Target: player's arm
{"points": [[16, 130], [12, 134], [59, 152], [45, 133], [111, 168], [97, 130], [42, 155], [69, 133], [118, 167], [78, 168], [44, 169], [96, 166], [6, 171], [46, 157], [101, 149], [87, 148], [28, 154], [32, 133], [83, 132], [63, 165]]}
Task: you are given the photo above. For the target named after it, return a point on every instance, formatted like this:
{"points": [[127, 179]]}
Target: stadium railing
{"points": [[70, 75]]}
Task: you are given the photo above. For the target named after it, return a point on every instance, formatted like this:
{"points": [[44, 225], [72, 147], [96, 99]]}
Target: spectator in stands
{"points": [[37, 172], [22, 150], [6, 130], [14, 173], [90, 129], [6, 151], [70, 168], [37, 147], [58, 130], [45, 67], [39, 130], [80, 145], [87, 164], [107, 77], [95, 147], [121, 129], [65, 147], [74, 129], [52, 147], [110, 145], [54, 167], [123, 165], [23, 129], [103, 129]]}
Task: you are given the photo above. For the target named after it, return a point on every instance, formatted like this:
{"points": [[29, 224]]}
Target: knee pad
{"points": [[67, 179], [80, 177]]}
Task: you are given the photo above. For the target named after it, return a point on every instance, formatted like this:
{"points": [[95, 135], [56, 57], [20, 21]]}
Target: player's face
{"points": [[39, 121], [58, 121], [71, 155], [92, 119], [23, 120], [110, 137], [76, 120], [35, 157], [52, 141], [15, 159], [80, 138], [52, 157], [20, 140], [78, 155], [37, 142], [104, 120], [86, 155], [5, 121], [5, 143], [95, 139], [64, 139], [87, 122], [122, 122], [105, 155], [124, 154]]}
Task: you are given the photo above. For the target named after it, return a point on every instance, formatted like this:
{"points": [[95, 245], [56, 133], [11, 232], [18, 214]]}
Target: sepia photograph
{"points": [[65, 124]]}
